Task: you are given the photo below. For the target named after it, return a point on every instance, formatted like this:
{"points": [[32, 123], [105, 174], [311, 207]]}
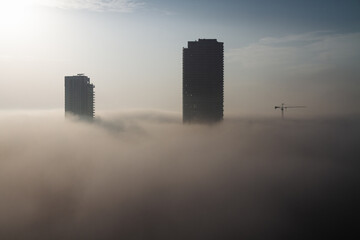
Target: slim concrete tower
{"points": [[203, 81], [79, 96]]}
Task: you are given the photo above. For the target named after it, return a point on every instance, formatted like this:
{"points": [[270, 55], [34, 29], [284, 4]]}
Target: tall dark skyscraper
{"points": [[79, 96], [203, 81]]}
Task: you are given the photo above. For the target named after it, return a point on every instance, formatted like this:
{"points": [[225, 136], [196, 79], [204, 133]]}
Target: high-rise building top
{"points": [[203, 81], [79, 96]]}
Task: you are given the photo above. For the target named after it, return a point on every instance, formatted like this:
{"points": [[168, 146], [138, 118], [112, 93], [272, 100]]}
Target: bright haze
{"points": [[136, 171]]}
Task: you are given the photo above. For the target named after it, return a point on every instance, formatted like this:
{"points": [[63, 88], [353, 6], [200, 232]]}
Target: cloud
{"points": [[305, 38], [313, 51], [154, 178], [94, 5]]}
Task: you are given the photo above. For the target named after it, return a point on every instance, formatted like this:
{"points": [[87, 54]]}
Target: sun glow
{"points": [[15, 15]]}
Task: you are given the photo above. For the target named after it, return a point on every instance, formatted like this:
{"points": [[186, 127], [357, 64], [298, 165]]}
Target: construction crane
{"points": [[282, 107]]}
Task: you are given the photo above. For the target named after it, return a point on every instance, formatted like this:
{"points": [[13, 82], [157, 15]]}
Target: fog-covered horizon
{"points": [[275, 114]]}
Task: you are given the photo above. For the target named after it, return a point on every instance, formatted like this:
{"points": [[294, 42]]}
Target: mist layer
{"points": [[145, 175]]}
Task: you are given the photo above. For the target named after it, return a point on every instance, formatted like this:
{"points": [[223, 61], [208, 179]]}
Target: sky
{"points": [[293, 52]]}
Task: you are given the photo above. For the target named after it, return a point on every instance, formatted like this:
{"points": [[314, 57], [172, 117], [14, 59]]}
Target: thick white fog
{"points": [[145, 175]]}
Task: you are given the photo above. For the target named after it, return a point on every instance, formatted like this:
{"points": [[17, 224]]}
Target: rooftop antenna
{"points": [[282, 107]]}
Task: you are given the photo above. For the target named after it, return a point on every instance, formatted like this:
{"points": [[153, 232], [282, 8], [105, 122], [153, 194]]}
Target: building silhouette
{"points": [[79, 96], [203, 81]]}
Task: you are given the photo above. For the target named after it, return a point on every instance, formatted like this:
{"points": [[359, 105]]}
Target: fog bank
{"points": [[145, 175]]}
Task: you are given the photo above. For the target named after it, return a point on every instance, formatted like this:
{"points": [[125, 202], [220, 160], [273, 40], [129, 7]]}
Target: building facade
{"points": [[79, 96], [203, 81]]}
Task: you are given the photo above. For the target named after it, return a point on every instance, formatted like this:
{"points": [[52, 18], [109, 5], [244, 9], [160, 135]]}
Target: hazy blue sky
{"points": [[297, 52]]}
